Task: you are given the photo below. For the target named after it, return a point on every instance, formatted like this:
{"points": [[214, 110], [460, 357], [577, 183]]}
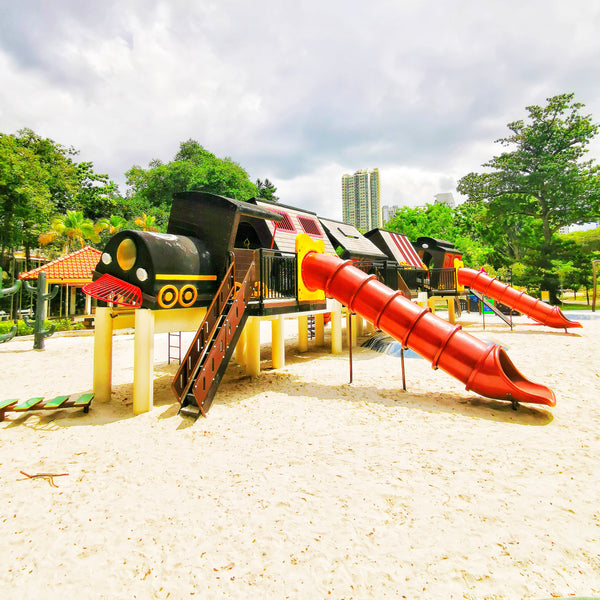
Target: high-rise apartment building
{"points": [[361, 205], [387, 213]]}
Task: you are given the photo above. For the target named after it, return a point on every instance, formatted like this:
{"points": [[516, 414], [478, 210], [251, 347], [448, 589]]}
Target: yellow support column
{"points": [[422, 299], [278, 342], [431, 304], [103, 354], [302, 333], [320, 329], [253, 347], [336, 328], [359, 326], [240, 348], [451, 309], [143, 361]]}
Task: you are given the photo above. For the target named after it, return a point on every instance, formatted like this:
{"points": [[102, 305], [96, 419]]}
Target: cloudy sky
{"points": [[296, 91]]}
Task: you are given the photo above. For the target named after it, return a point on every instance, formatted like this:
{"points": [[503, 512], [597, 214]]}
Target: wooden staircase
{"points": [[206, 360]]}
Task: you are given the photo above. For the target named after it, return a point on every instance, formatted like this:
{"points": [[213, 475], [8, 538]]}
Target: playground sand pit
{"points": [[301, 485]]}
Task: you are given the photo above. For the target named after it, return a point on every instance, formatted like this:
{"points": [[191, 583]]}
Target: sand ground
{"points": [[301, 485]]}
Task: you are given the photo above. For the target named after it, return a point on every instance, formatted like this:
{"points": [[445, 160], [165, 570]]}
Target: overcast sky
{"points": [[299, 91]]}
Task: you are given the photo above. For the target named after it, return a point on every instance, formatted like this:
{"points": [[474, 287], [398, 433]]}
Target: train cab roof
{"points": [[350, 243], [215, 220], [431, 243], [280, 233], [396, 246]]}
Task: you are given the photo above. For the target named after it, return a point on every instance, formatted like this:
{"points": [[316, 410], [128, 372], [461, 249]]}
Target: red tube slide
{"points": [[484, 368], [532, 307]]}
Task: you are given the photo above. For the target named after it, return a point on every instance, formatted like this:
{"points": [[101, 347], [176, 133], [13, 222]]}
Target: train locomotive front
{"points": [[155, 271]]}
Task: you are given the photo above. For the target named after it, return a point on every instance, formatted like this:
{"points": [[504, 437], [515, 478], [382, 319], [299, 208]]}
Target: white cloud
{"points": [[296, 92]]}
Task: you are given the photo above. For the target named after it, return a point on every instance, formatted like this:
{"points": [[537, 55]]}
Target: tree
{"points": [[61, 175], [456, 225], [71, 230], [146, 222], [266, 190], [39, 178], [541, 183], [114, 224], [97, 196], [193, 168], [24, 194]]}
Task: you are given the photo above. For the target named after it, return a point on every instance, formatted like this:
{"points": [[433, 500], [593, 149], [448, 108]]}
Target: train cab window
{"points": [[349, 232], [286, 224], [247, 237], [426, 258], [310, 226]]}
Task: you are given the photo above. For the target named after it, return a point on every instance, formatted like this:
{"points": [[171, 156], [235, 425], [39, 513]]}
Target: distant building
{"points": [[571, 228], [361, 199], [387, 213], [445, 198]]}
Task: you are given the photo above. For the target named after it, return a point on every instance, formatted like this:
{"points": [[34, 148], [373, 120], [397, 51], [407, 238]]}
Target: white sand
{"points": [[299, 485]]}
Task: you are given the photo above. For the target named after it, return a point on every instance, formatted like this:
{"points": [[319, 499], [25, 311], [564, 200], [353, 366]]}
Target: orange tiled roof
{"points": [[74, 268]]}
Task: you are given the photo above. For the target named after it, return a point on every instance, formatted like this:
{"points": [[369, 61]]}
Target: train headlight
{"points": [[106, 258], [126, 254], [141, 274]]}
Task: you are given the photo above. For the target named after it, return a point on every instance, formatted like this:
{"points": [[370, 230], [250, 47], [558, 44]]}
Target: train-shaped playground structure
{"points": [[260, 258]]}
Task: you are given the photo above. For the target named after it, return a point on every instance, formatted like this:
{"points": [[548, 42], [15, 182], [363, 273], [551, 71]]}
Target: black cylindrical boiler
{"points": [[170, 270]]}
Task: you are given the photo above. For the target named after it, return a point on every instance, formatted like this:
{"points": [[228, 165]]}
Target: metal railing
{"points": [[277, 275], [415, 279], [441, 280]]}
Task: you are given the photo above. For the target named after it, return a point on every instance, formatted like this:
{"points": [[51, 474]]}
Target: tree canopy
{"points": [[461, 226], [540, 184], [542, 176], [192, 168], [39, 179]]}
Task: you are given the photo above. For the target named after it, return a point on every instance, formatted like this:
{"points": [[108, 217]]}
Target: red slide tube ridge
{"points": [[484, 368], [528, 305]]}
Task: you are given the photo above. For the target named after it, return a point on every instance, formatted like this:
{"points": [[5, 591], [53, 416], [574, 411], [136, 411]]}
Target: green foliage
{"points": [[456, 225], [71, 231], [38, 179], [589, 240], [266, 190], [24, 193], [97, 196], [24, 329], [193, 168], [541, 184]]}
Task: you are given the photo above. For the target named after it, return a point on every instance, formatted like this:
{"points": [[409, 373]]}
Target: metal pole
{"points": [[403, 373], [349, 318]]}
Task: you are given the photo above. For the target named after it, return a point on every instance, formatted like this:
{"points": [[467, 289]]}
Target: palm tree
{"points": [[71, 230], [114, 224], [146, 222]]}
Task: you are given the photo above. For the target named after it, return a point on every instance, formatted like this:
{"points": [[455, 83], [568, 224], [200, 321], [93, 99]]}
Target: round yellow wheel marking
{"points": [[187, 295], [167, 296]]}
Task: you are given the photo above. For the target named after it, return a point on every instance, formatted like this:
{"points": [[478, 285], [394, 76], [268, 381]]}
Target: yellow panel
{"points": [[304, 245], [459, 264], [167, 277]]}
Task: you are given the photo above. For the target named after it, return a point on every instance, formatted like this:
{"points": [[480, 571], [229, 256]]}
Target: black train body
{"points": [[170, 270], [180, 268]]}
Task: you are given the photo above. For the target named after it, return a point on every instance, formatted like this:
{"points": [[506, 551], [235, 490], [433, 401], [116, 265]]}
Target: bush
{"points": [[24, 329]]}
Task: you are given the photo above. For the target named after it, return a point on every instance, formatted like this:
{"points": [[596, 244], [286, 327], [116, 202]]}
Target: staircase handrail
{"points": [[184, 376]]}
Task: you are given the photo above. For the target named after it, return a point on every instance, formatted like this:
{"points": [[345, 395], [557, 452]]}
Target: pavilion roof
{"points": [[74, 269]]}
